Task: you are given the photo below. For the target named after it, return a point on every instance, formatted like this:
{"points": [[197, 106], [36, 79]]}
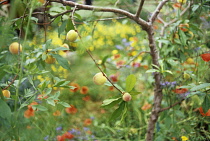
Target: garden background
{"points": [[157, 51]]}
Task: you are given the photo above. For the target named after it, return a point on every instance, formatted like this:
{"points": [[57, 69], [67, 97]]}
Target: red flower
{"points": [[84, 90], [204, 114], [60, 138], [77, 87], [180, 90], [205, 57], [86, 98], [71, 110], [87, 122], [114, 77], [68, 135]]}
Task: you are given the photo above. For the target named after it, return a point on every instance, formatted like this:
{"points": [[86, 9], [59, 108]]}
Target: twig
{"points": [[72, 18], [177, 103], [157, 11], [102, 71], [138, 12], [13, 80], [134, 58]]}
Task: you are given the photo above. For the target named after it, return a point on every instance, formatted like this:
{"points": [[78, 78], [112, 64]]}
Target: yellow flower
{"points": [[114, 51], [184, 138]]}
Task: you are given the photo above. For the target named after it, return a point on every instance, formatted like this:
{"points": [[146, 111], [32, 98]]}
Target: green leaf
{"points": [[69, 24], [183, 37], [201, 86], [62, 61], [64, 104], [51, 101], [118, 112], [134, 93], [152, 70], [124, 112], [130, 82], [5, 111], [40, 107], [108, 103], [206, 104], [59, 48], [62, 28]]}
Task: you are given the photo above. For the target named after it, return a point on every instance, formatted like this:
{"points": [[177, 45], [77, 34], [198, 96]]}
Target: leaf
{"points": [[51, 101], [134, 93], [206, 104], [62, 28], [59, 48], [40, 107], [62, 61], [201, 86], [183, 37], [195, 7], [124, 112], [108, 103], [64, 104], [118, 112], [130, 82], [152, 71], [5, 111]]}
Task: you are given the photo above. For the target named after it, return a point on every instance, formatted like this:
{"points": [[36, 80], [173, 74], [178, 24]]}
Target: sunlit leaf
{"points": [[130, 82]]}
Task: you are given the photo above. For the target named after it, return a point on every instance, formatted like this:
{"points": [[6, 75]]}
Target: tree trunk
{"points": [[157, 90]]}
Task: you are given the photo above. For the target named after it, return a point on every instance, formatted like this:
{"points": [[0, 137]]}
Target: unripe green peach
{"points": [[99, 79], [71, 35], [14, 47], [126, 97], [6, 93]]}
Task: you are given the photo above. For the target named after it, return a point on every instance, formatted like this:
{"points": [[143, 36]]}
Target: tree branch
{"points": [[157, 11], [140, 21], [177, 103], [138, 12]]}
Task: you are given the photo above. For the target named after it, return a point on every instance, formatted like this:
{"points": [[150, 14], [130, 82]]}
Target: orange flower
{"points": [[120, 63], [205, 57], [111, 88], [68, 135], [116, 56], [204, 114], [77, 87], [180, 90], [57, 113], [88, 122], [184, 27], [176, 5], [71, 110], [28, 113], [86, 98], [84, 90], [41, 96], [146, 106], [60, 138]]}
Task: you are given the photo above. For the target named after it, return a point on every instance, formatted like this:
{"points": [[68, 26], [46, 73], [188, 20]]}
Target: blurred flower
{"points": [[46, 138], [114, 77], [71, 110], [176, 5], [168, 84], [136, 64], [205, 57], [88, 122], [60, 138], [86, 98], [119, 47], [84, 90], [77, 87], [116, 56], [180, 90], [120, 63], [68, 135], [184, 138], [146, 106], [111, 88], [41, 96], [202, 112], [184, 27], [59, 128], [103, 111], [114, 52], [57, 113], [30, 111]]}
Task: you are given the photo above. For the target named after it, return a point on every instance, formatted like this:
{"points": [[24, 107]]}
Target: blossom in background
{"points": [[86, 98], [146, 106], [77, 87], [71, 110], [88, 122], [202, 112], [168, 84], [30, 111], [57, 113], [114, 77], [184, 138], [205, 57], [180, 90], [84, 90]]}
